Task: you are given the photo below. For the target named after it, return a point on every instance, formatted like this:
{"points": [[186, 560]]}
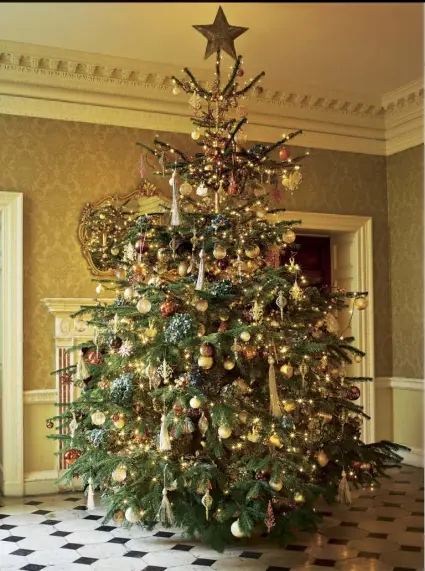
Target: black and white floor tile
{"points": [[381, 531]]}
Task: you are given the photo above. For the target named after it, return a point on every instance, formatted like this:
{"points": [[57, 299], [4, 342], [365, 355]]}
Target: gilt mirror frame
{"points": [[147, 199]]}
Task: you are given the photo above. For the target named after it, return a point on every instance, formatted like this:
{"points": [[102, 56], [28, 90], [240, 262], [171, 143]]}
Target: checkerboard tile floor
{"points": [[381, 531]]}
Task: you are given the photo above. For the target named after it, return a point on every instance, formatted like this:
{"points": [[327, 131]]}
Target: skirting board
{"points": [[44, 482], [413, 458]]}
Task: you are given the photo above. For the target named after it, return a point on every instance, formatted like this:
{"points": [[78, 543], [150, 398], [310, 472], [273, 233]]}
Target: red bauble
{"points": [[284, 154], [223, 327], [207, 350], [71, 456], [223, 264], [249, 353], [240, 72], [167, 308], [94, 358], [356, 465], [115, 417], [353, 393], [141, 246]]}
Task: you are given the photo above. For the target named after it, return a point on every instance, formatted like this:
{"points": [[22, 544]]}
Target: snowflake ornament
{"points": [[129, 253], [126, 348]]}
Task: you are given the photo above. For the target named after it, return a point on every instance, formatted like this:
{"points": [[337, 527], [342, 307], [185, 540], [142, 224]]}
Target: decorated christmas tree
{"points": [[215, 396]]}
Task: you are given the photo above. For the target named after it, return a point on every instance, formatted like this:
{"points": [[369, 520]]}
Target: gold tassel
{"points": [[82, 370], [165, 513], [275, 406], [344, 495], [90, 496], [164, 437], [201, 273]]}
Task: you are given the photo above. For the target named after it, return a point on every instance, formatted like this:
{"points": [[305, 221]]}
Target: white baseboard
{"points": [[413, 458], [44, 482]]}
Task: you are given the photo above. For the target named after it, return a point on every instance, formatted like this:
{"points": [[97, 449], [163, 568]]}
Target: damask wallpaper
{"points": [[59, 166], [406, 219]]}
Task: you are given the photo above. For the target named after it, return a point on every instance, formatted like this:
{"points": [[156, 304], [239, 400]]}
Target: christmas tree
{"points": [[215, 394]]}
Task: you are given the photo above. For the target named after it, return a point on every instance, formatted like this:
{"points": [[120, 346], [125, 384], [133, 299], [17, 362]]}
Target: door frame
{"points": [[11, 312], [363, 322]]}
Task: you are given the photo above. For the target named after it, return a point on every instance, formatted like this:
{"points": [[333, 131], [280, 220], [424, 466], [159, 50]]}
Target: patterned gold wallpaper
{"points": [[59, 166], [406, 218]]}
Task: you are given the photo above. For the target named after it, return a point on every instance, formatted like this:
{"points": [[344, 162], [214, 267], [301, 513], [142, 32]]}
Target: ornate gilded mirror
{"points": [[103, 224]]}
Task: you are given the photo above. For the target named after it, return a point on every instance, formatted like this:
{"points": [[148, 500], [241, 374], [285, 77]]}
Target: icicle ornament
{"points": [[164, 437], [344, 494], [201, 272], [90, 495], [207, 502], [281, 302], [82, 372], [303, 372], [73, 425], [275, 406], [175, 212]]}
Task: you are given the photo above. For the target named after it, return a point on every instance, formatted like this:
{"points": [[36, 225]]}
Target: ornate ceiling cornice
{"points": [[68, 85]]}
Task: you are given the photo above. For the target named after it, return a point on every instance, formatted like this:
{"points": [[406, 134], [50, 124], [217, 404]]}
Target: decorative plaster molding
{"points": [[65, 306], [400, 383], [74, 86], [41, 396], [44, 482]]}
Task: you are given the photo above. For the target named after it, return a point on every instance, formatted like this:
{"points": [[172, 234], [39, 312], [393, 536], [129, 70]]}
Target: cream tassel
{"points": [[275, 407], [82, 369], [90, 495], [164, 437], [175, 214], [165, 513], [201, 273], [344, 495]]}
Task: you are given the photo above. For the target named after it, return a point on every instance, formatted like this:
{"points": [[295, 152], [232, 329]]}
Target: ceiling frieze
{"points": [[142, 92]]}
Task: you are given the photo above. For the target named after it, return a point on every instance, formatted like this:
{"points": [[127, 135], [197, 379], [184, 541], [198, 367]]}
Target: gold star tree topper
{"points": [[220, 35]]}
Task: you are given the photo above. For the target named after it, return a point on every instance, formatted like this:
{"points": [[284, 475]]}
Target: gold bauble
{"points": [[229, 364], [253, 436], [236, 530], [120, 423], [151, 332], [143, 305], [261, 213], [182, 269], [289, 406], [236, 347], [202, 305], [299, 498], [252, 252], [288, 236], [358, 358], [224, 431], [243, 417], [128, 292], [275, 324], [224, 314], [245, 335], [115, 251], [361, 303], [205, 362], [195, 402], [219, 252], [118, 516], [276, 486], [322, 459], [195, 134], [119, 474], [120, 273], [275, 440], [186, 189], [163, 254], [287, 370]]}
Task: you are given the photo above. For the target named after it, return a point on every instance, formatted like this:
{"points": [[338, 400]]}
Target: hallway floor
{"points": [[381, 531]]}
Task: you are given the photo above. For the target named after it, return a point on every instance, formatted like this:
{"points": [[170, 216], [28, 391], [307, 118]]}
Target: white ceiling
{"points": [[363, 48]]}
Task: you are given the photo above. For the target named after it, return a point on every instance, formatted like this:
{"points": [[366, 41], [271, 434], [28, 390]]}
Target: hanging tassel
{"points": [[175, 214], [164, 437], [201, 273], [344, 495], [82, 373], [217, 202], [90, 496], [165, 513], [275, 407]]}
